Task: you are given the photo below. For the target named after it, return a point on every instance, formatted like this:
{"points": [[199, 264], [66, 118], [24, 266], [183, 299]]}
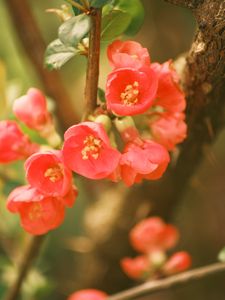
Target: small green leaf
{"points": [[74, 30], [99, 3], [101, 95], [221, 255], [136, 10], [57, 54], [114, 24]]}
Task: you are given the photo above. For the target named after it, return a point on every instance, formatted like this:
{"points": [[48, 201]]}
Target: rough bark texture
{"points": [[204, 84], [34, 46]]}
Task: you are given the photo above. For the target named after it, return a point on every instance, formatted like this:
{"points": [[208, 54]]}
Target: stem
{"points": [[30, 253], [91, 88], [168, 283]]}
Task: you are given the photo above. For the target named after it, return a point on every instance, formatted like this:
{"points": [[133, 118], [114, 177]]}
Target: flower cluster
{"points": [[90, 149], [152, 238]]}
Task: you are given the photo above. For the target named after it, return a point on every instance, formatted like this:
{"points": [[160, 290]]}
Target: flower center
{"points": [[130, 95], [55, 173], [35, 211], [92, 146]]}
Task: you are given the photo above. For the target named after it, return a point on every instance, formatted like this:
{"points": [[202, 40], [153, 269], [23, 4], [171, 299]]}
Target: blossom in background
{"points": [[168, 129], [127, 54], [47, 172], [152, 237], [87, 151], [130, 91], [14, 144], [147, 160], [31, 109], [89, 294]]}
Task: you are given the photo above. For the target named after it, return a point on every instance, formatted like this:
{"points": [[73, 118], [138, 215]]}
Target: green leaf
{"points": [[221, 255], [114, 24], [99, 3], [57, 54], [136, 10], [101, 95], [74, 30]]}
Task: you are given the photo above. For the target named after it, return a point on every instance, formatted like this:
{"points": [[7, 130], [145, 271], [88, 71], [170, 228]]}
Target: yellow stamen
{"points": [[130, 95], [55, 173], [92, 147]]}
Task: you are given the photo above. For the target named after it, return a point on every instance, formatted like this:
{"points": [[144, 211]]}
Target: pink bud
{"points": [[89, 294], [14, 145], [178, 262], [31, 109], [135, 267]]}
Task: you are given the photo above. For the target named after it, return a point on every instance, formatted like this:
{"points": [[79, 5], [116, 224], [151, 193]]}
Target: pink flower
{"points": [[130, 91], [47, 172], [136, 267], [152, 235], [169, 129], [147, 160], [14, 145], [89, 294], [38, 213], [178, 262], [87, 151], [128, 54], [31, 109], [169, 95]]}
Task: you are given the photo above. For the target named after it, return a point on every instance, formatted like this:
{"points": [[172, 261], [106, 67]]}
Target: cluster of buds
{"points": [[152, 238], [90, 149]]}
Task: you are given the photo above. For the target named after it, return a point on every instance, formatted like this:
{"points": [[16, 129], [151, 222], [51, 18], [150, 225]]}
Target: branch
{"points": [[186, 3], [155, 286], [34, 46], [30, 254], [91, 88]]}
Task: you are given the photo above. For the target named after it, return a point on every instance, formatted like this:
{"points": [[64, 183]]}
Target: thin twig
{"points": [[77, 5], [30, 254], [168, 283], [91, 88]]}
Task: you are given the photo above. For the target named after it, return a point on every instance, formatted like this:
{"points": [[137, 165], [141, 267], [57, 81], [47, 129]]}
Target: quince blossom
{"points": [[130, 91], [169, 95], [89, 294], [168, 129], [144, 160], [127, 54], [47, 172], [31, 109], [38, 213], [153, 234], [178, 262], [14, 144], [135, 267], [87, 151]]}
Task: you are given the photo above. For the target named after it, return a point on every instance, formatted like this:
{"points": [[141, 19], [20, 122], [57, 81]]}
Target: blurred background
{"points": [[85, 251]]}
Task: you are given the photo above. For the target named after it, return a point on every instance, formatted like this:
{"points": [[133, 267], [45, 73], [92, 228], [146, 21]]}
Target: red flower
{"points": [[90, 294], [136, 267], [87, 151], [31, 109], [47, 172], [14, 145], [169, 129], [169, 95], [38, 213], [128, 54], [130, 91], [147, 160], [152, 235], [178, 262]]}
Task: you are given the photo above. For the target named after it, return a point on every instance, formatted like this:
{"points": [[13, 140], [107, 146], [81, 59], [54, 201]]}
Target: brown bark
{"points": [[34, 46], [204, 84]]}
